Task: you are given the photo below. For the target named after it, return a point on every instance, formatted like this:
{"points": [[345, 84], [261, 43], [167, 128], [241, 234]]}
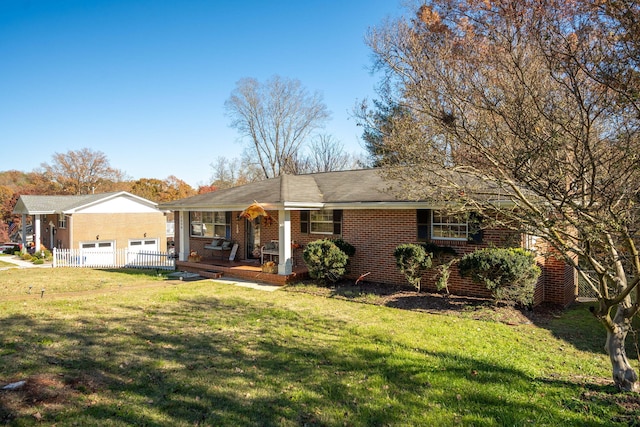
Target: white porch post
{"points": [[52, 233], [37, 239], [183, 229], [23, 226], [285, 267]]}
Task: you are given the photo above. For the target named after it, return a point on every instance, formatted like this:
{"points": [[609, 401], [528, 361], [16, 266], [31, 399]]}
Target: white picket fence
{"points": [[120, 258]]}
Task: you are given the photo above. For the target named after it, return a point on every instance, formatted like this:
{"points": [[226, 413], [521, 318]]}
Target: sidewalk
{"points": [[248, 284], [21, 263]]}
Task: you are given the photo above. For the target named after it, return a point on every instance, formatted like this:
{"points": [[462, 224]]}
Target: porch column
{"points": [[52, 233], [37, 239], [23, 226], [183, 230], [285, 267]]}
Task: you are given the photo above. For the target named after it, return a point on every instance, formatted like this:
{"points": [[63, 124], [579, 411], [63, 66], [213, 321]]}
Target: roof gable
{"points": [[121, 202]]}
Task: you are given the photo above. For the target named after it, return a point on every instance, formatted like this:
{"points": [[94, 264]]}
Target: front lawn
{"points": [[124, 348]]}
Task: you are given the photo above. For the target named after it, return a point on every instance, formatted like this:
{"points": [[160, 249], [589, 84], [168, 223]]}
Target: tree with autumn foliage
{"points": [[83, 171], [529, 109], [13, 183], [158, 190]]}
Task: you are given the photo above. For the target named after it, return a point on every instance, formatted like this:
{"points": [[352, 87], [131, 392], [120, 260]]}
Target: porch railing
{"points": [[120, 258]]}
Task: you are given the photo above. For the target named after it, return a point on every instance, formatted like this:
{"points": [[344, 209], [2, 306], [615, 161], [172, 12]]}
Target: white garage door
{"points": [[139, 247], [98, 254]]}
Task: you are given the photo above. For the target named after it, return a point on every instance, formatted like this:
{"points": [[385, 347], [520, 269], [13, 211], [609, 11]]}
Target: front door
{"points": [[253, 238]]}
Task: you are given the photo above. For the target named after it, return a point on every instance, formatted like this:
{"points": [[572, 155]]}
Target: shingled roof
{"points": [[343, 188], [354, 189], [36, 204]]}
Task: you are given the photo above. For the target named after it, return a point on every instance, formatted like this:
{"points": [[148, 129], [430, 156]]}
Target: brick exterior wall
{"points": [[61, 236], [376, 233], [384, 230]]}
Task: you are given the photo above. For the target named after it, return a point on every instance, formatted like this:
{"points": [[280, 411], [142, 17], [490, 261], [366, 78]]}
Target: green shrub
{"points": [[509, 273], [443, 279], [38, 261], [437, 251], [26, 256], [44, 254], [345, 247], [413, 261], [11, 250], [324, 260]]}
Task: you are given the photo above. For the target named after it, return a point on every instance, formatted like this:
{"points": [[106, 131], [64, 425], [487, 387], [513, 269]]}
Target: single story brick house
{"points": [[99, 222], [357, 206]]}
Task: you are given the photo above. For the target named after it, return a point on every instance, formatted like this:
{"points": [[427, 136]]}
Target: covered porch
{"points": [[246, 270]]}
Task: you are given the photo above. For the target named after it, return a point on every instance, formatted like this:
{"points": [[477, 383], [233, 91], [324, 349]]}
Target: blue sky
{"points": [[145, 81]]}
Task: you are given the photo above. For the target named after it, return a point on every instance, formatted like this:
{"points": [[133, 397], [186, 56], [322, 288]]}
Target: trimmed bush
{"points": [[345, 247], [510, 274], [412, 261], [325, 260], [43, 253], [437, 251]]}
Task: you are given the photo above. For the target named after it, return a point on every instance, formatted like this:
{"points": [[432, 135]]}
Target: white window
{"points": [[322, 222], [210, 224], [447, 226], [62, 221]]}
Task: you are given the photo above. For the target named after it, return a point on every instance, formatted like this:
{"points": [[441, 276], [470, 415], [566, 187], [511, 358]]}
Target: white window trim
{"points": [[213, 224], [311, 222], [457, 239]]}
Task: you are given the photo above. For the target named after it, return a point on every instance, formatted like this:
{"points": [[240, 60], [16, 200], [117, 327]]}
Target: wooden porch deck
{"points": [[246, 270]]}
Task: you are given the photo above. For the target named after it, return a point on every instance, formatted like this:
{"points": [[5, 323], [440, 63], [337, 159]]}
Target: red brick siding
{"points": [[558, 281], [376, 233]]}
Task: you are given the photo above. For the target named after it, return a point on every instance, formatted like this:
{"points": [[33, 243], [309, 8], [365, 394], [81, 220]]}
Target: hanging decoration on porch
{"points": [[254, 211]]}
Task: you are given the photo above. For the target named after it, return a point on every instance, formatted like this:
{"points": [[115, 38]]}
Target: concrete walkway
{"points": [[247, 284], [20, 263]]}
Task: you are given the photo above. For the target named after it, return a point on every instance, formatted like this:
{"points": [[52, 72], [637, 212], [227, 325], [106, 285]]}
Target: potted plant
{"points": [[270, 267]]}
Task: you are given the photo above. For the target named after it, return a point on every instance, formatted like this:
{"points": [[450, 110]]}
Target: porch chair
{"points": [[220, 245]]}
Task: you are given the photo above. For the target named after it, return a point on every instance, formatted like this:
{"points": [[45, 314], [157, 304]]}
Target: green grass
{"points": [[16, 283], [128, 348]]}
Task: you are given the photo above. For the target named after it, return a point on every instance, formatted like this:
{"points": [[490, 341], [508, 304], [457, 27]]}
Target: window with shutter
{"points": [[325, 222], [422, 220], [304, 222]]}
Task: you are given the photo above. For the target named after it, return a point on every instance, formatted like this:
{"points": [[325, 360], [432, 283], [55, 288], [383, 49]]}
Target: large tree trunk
{"points": [[624, 376]]}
